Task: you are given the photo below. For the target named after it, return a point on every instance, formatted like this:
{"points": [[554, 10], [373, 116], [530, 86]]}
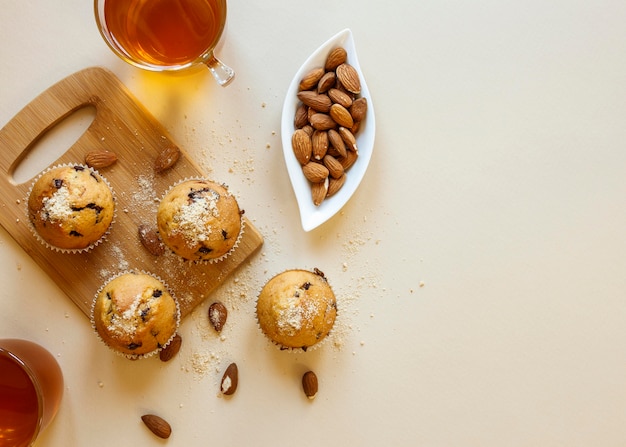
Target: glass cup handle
{"points": [[222, 73]]}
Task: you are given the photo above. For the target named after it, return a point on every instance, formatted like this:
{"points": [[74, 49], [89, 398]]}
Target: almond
{"points": [[335, 184], [308, 129], [335, 58], [157, 425], [230, 380], [166, 158], [339, 97], [315, 172], [341, 116], [169, 352], [348, 137], [322, 121], [359, 109], [301, 118], [337, 142], [309, 384], [100, 158], [302, 146], [348, 160], [311, 79], [327, 81], [150, 239], [316, 101], [335, 169], [319, 191], [217, 315], [319, 140], [349, 78]]}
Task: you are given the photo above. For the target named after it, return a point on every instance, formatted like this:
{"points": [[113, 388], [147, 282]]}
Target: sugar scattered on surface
{"points": [[57, 207]]}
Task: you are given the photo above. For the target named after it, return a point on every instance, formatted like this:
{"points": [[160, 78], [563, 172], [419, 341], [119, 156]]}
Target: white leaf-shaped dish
{"points": [[313, 216]]}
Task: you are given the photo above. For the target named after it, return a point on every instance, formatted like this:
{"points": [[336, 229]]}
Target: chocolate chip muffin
{"points": [[135, 315], [71, 207], [199, 220], [296, 309]]}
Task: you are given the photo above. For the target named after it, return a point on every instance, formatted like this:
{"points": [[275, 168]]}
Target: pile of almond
{"points": [[327, 118]]}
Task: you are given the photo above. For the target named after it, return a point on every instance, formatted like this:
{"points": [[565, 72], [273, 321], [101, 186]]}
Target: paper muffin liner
{"points": [[48, 245], [290, 349], [241, 227], [123, 354]]}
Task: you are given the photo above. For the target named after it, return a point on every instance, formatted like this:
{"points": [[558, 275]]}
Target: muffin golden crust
{"points": [[199, 220], [134, 314], [71, 207], [296, 309]]}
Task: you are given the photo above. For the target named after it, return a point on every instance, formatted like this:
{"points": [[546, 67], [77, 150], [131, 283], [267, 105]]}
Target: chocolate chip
{"points": [[157, 293], [58, 183]]}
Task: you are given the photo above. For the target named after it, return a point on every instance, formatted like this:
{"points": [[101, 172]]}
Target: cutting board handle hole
{"points": [[52, 143]]}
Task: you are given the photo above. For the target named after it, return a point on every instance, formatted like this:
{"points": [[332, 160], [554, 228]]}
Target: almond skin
{"points": [[217, 315], [150, 239], [322, 121], [316, 101], [349, 78], [315, 172], [339, 97], [309, 384], [302, 146], [169, 352], [341, 116], [358, 109], [157, 425], [335, 58], [335, 184], [319, 140], [166, 159], [335, 169], [319, 191], [230, 380], [311, 79], [100, 158]]}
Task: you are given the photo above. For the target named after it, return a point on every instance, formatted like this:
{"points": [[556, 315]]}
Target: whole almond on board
{"points": [[319, 192], [316, 101], [100, 158], [166, 159], [336, 142], [322, 121], [157, 425], [335, 58], [230, 380], [319, 140], [218, 315], [341, 116], [349, 78], [302, 147], [339, 97], [335, 169], [315, 172], [309, 384], [327, 81], [169, 352], [311, 79], [358, 109], [150, 239], [335, 184]]}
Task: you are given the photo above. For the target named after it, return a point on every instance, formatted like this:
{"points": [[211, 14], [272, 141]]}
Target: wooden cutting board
{"points": [[124, 126]]}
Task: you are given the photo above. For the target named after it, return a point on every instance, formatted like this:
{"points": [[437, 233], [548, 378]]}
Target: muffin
{"points": [[199, 220], [296, 309], [135, 315], [71, 207]]}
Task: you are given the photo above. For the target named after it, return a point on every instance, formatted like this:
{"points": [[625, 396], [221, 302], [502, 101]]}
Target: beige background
{"points": [[480, 266]]}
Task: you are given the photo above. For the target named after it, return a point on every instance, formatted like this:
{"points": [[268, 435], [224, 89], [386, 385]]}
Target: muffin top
{"points": [[296, 309], [135, 315], [199, 220], [71, 207]]}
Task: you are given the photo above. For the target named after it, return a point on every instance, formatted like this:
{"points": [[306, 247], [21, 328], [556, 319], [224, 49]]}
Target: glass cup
{"points": [[165, 35], [31, 386]]}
